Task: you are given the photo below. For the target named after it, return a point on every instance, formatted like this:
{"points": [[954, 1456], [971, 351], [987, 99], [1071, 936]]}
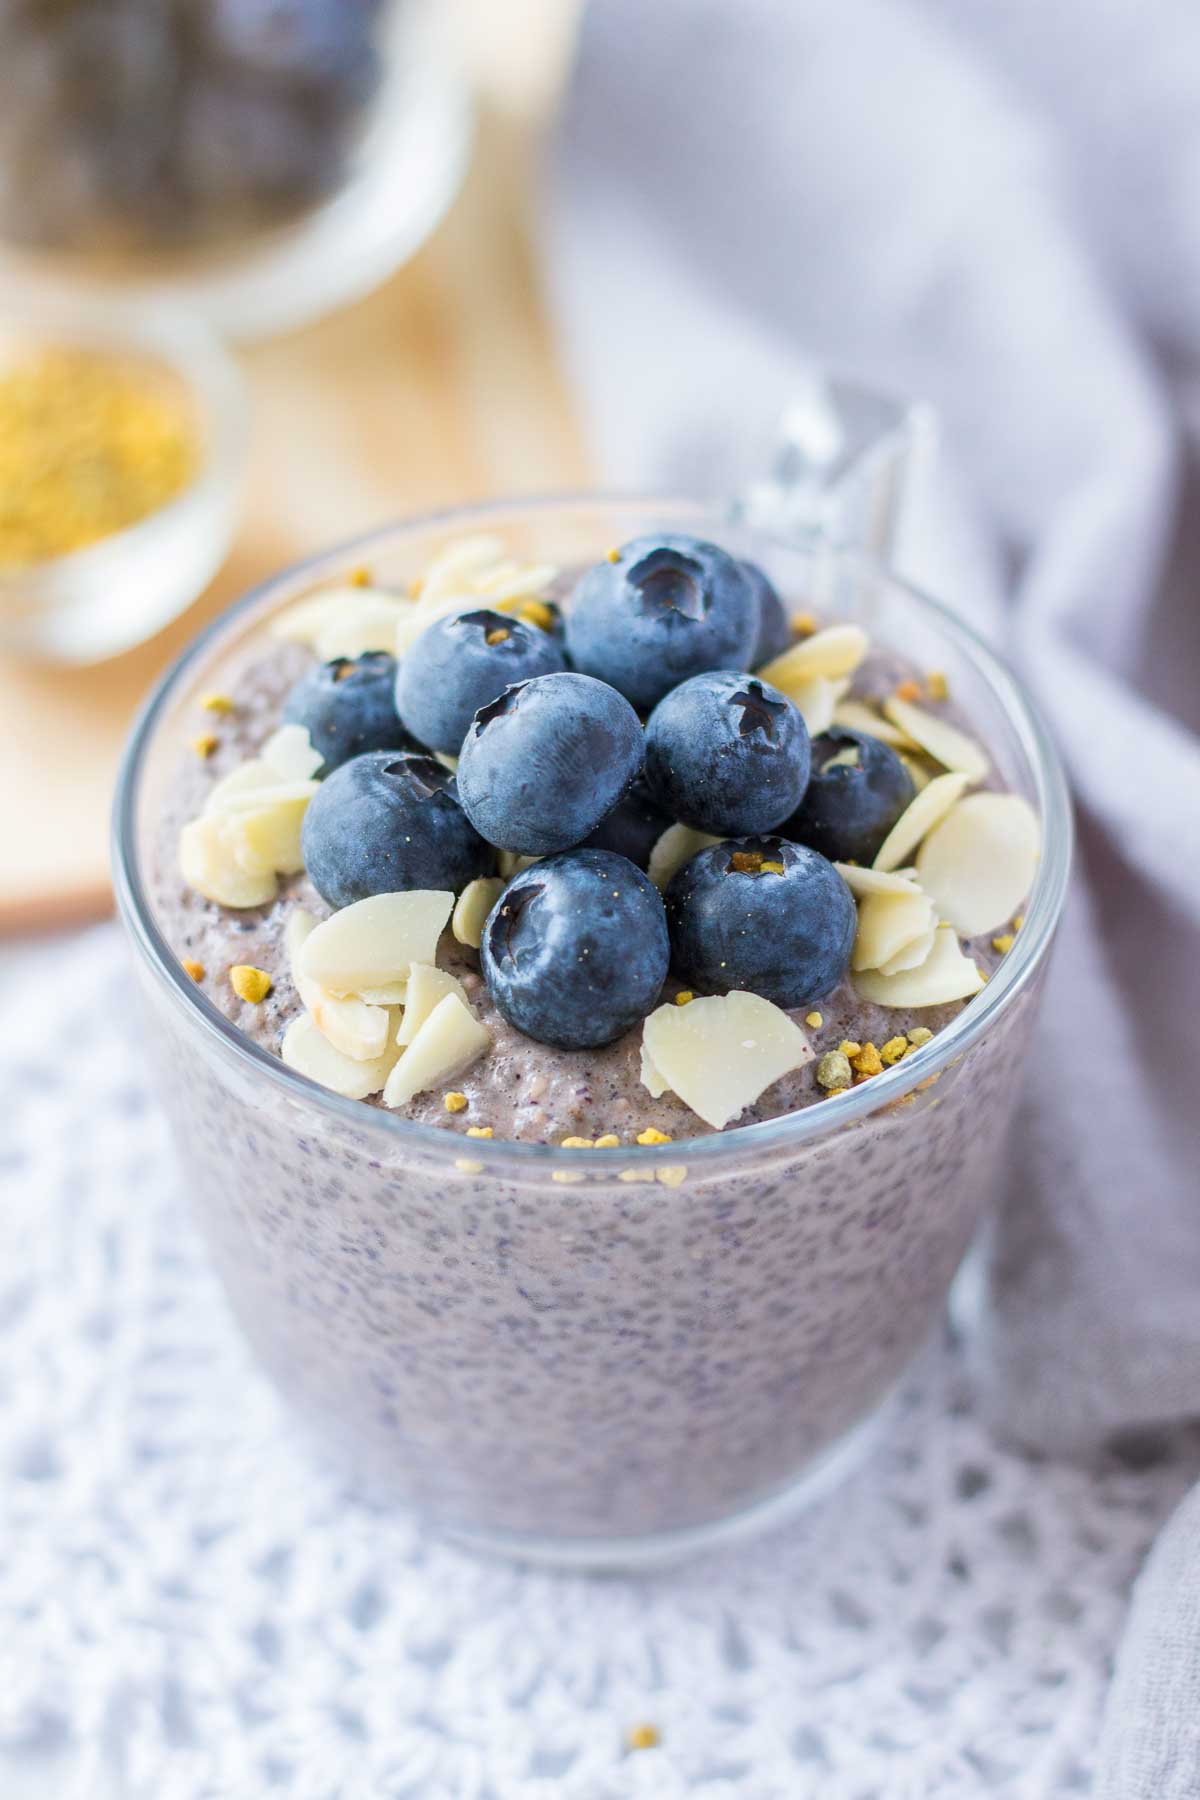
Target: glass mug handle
{"points": [[841, 468]]}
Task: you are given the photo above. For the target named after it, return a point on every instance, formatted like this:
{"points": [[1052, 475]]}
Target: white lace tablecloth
{"points": [[190, 1607]]}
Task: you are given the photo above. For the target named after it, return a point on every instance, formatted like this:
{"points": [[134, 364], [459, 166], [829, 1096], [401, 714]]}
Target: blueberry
{"points": [[667, 608], [385, 822], [290, 39], [575, 951], [761, 914], [462, 662], [632, 828], [348, 707], [857, 791], [727, 753], [541, 765], [774, 626]]}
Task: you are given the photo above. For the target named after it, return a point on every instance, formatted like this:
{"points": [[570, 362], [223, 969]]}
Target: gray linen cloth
{"points": [[996, 209]]}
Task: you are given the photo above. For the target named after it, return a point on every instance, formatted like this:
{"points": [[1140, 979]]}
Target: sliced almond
{"points": [[876, 881], [511, 863], [719, 1053], [920, 769], [505, 587], [418, 619], [357, 1030], [911, 955], [376, 941], [945, 975], [831, 653], [389, 993], [887, 924], [458, 563], [365, 620], [307, 1050], [918, 819], [978, 864], [945, 743], [816, 700], [651, 1076], [266, 835], [248, 777], [427, 987], [448, 1042], [471, 911], [289, 752], [677, 845], [209, 864], [855, 715]]}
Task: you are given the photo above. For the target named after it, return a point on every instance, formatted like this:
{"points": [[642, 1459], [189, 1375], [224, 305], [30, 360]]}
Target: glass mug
{"points": [[595, 1357]]}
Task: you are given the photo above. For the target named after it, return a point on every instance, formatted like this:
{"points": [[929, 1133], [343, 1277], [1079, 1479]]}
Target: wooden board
{"points": [[441, 387]]}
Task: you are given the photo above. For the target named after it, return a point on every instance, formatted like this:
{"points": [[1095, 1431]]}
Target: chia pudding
{"points": [[544, 1299]]}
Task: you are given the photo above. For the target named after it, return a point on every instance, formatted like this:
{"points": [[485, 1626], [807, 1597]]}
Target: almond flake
{"points": [[209, 865], [248, 777], [389, 993], [465, 558], [980, 861], [473, 907], [354, 1028], [427, 986], [945, 743], [918, 819], [264, 830], [375, 941], [856, 716], [344, 622], [307, 1050], [650, 1076], [945, 975], [876, 881], [831, 653], [448, 1042], [816, 700], [921, 770], [677, 845], [911, 955], [721, 1052], [888, 923], [289, 752]]}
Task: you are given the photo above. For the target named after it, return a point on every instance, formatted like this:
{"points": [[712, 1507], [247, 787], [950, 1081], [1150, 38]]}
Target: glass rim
{"points": [[789, 1130]]}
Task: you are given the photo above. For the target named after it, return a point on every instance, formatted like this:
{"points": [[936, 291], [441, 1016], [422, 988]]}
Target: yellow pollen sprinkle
{"points": [[609, 1141], [814, 1020], [479, 1131], [217, 703], [937, 685], [415, 586], [644, 1737], [867, 1062], [746, 862], [1003, 943], [205, 744], [612, 556], [360, 577], [1018, 921], [770, 868], [248, 983], [920, 1034], [653, 1136], [455, 1103], [578, 1143], [909, 690], [848, 1047], [684, 997], [193, 968], [927, 1083], [536, 612], [498, 636], [805, 624], [893, 1050], [467, 1167]]}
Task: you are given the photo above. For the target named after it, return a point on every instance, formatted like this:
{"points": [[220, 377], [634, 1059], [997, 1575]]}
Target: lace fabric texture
{"points": [[191, 1607]]}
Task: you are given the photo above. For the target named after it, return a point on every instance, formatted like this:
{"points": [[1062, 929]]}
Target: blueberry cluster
{"points": [[579, 747], [144, 120]]}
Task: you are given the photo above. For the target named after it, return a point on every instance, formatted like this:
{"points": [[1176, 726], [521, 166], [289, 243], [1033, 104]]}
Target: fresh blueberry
{"points": [[348, 707], [857, 791], [727, 753], [632, 828], [667, 608], [542, 765], [761, 914], [575, 950], [461, 663], [386, 822], [774, 627]]}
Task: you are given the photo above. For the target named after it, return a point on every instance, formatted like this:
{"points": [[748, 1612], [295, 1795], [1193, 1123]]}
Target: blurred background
{"points": [[307, 227]]}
